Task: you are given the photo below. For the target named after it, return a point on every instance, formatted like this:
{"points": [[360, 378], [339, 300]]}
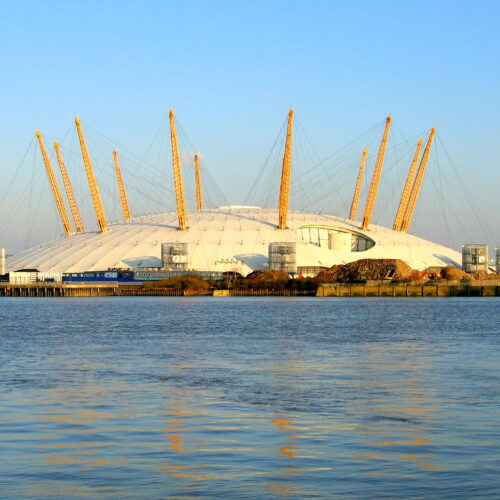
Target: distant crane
{"points": [[94, 189], [199, 190], [357, 189], [69, 191], [405, 197], [61, 207], [176, 164], [417, 186], [286, 172], [372, 193], [121, 189]]}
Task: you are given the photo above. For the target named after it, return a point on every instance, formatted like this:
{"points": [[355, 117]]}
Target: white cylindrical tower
{"points": [[283, 256], [474, 258], [175, 256]]}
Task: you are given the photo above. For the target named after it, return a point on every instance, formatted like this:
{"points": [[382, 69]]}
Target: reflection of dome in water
{"points": [[232, 238]]}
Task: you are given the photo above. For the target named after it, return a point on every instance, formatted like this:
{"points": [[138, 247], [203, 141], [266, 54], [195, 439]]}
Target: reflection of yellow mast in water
{"points": [[173, 431], [396, 424], [177, 433], [284, 426]]}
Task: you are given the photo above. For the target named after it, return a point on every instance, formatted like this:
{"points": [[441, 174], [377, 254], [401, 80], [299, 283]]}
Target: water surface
{"points": [[249, 398]]}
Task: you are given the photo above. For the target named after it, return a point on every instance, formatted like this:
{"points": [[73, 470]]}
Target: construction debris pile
{"points": [[267, 275], [370, 269], [453, 273], [394, 270]]}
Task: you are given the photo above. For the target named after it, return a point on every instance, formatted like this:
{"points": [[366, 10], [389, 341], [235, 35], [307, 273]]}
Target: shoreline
{"points": [[476, 288]]}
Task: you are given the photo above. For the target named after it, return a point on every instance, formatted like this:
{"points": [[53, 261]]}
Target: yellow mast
{"points": [[61, 208], [176, 164], [69, 191], [417, 186], [121, 188], [357, 190], [199, 189], [286, 174], [372, 193], [94, 189], [403, 203]]}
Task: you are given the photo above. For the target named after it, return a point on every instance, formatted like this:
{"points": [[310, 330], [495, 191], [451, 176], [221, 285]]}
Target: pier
{"points": [[479, 288]]}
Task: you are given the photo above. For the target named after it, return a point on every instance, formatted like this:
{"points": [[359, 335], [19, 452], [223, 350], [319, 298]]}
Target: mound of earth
{"points": [[483, 275], [267, 275], [370, 269], [453, 273]]}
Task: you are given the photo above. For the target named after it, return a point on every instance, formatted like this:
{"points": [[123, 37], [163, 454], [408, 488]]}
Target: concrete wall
{"points": [[485, 288]]}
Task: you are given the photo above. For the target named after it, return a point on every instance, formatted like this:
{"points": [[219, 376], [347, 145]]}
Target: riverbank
{"points": [[452, 288], [456, 288]]}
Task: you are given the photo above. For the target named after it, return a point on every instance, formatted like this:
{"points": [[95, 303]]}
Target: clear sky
{"points": [[231, 69]]}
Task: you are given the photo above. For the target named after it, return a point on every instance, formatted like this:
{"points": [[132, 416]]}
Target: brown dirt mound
{"points": [[453, 273], [369, 269], [480, 275], [483, 275], [267, 275]]}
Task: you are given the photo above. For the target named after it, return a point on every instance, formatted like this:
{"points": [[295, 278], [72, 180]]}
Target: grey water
{"points": [[131, 398]]}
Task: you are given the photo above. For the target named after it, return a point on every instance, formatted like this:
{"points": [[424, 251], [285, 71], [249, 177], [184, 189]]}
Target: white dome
{"points": [[234, 238]]}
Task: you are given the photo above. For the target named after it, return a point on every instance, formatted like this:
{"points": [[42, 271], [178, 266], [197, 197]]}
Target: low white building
{"points": [[31, 276]]}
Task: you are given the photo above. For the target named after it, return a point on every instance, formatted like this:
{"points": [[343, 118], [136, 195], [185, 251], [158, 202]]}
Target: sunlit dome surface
{"points": [[233, 238]]}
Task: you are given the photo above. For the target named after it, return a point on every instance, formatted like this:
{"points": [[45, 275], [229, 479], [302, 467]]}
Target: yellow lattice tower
{"points": [[121, 188], [56, 192], [372, 193], [199, 189], [357, 189], [286, 173], [405, 196], [176, 164], [69, 191], [94, 189], [417, 186]]}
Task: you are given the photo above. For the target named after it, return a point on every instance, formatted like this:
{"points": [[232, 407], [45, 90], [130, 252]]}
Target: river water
{"points": [[129, 398]]}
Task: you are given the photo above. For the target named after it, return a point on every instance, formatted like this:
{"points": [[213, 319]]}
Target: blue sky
{"points": [[232, 69]]}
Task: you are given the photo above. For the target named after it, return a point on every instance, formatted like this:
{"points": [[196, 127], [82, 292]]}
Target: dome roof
{"points": [[233, 238]]}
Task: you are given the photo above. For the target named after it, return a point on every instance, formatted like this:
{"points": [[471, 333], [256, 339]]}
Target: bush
{"points": [[190, 281]]}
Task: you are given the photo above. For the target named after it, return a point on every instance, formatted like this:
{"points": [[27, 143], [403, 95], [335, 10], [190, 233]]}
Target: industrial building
{"points": [[232, 238]]}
